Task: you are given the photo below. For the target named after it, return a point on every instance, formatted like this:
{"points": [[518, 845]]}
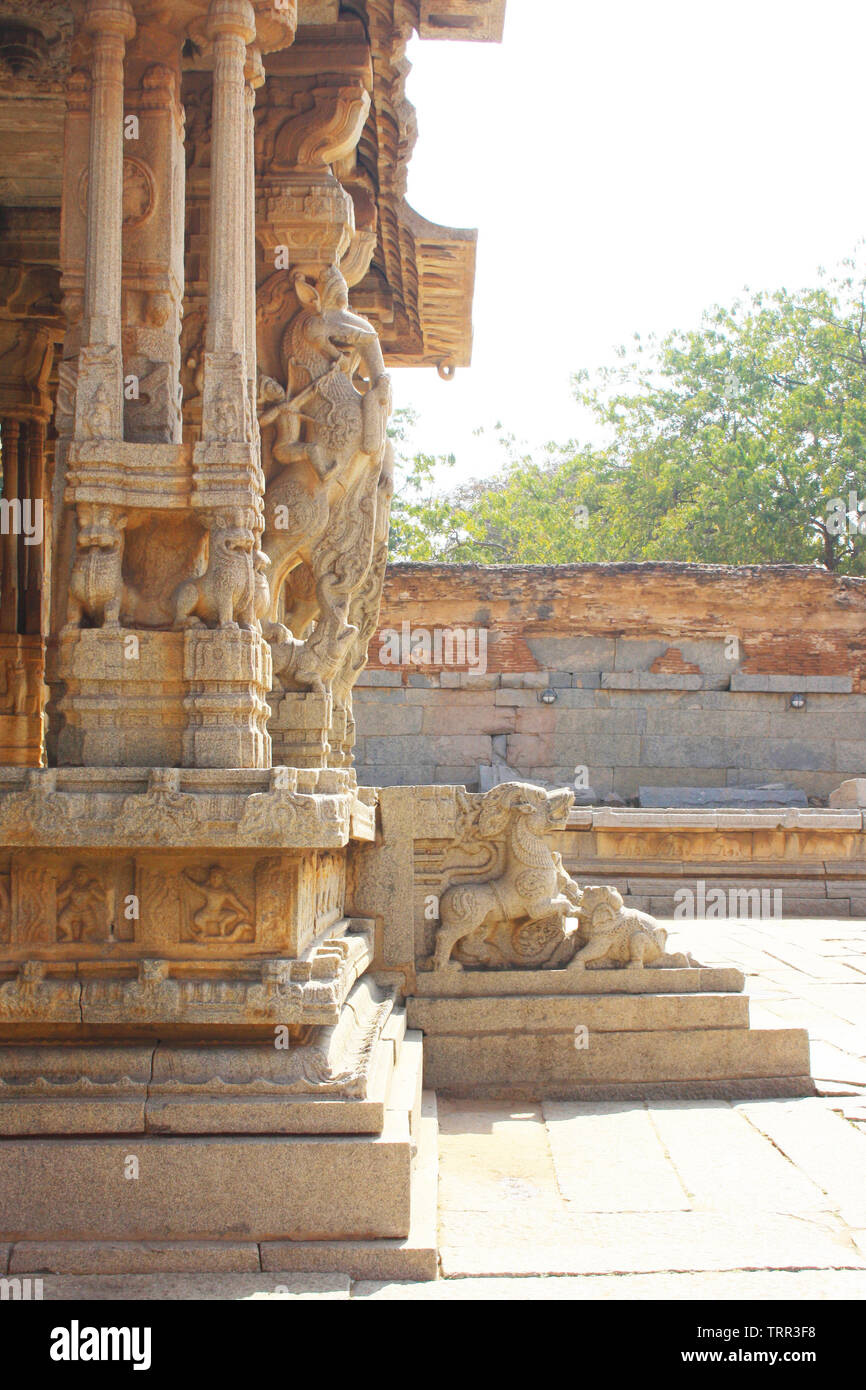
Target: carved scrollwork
{"points": [[326, 126]]}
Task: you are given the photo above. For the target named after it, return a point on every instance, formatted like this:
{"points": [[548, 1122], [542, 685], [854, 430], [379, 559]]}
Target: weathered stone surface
{"points": [[722, 796], [691, 1063], [851, 793], [701, 661], [141, 1257], [292, 1187]]}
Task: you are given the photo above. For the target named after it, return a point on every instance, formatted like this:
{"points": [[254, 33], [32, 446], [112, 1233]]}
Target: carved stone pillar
{"points": [[36, 551], [99, 401], [255, 75], [153, 255], [328, 483], [11, 539], [226, 417]]}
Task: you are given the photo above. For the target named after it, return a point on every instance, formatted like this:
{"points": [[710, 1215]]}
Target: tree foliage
{"points": [[742, 441]]}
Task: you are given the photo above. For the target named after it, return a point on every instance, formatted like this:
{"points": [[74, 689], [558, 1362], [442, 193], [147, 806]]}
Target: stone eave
{"points": [[420, 285]]}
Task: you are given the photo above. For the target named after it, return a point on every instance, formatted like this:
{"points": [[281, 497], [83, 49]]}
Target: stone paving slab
{"points": [[521, 1241], [821, 1143], [833, 1069], [594, 1147], [746, 1170]]}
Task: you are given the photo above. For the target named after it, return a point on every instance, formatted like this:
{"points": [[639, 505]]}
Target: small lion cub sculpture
{"points": [[618, 935]]}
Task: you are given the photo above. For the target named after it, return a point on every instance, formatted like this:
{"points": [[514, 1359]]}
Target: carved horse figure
{"points": [[329, 443], [532, 888]]}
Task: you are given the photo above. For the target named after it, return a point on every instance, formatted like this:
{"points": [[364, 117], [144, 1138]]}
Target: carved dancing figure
{"points": [[223, 914], [82, 905]]}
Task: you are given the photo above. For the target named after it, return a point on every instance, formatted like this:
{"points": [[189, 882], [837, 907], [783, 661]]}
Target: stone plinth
{"points": [[605, 1035], [300, 726], [179, 981], [202, 899], [135, 698], [322, 1146]]}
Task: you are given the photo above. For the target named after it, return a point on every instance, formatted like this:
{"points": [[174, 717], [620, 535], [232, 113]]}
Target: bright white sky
{"points": [[628, 163]]}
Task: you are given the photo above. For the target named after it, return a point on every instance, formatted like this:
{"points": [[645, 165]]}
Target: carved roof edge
{"points": [[420, 287]]}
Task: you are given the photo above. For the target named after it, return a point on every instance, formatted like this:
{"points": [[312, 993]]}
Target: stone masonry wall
{"points": [[665, 675]]}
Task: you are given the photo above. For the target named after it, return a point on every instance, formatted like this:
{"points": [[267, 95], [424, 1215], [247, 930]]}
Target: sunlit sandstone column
{"points": [[231, 26], [255, 74], [34, 555], [11, 494], [99, 407]]}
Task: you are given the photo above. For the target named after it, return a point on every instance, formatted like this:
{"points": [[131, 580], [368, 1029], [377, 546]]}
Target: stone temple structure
{"points": [[224, 966]]}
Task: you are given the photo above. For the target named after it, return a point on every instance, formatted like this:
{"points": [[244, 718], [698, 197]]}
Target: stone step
{"points": [[404, 1089], [548, 1057], [455, 983], [599, 1013]]}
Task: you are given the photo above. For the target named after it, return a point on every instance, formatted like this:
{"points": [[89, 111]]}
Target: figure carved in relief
{"points": [[82, 908], [223, 915], [100, 415], [363, 616], [272, 632], [18, 688], [530, 890], [225, 595], [329, 445], [96, 582]]}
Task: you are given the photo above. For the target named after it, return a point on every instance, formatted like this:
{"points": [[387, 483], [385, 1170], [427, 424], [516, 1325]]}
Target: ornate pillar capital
{"points": [[231, 17], [113, 17]]}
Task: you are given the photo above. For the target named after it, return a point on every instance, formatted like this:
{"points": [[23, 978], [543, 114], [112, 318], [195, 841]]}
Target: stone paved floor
{"points": [[682, 1200]]}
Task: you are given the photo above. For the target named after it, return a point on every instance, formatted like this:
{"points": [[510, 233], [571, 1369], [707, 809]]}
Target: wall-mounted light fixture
{"points": [[798, 702], [548, 696]]}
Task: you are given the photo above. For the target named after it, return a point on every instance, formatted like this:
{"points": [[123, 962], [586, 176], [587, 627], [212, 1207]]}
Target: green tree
{"points": [[738, 442]]}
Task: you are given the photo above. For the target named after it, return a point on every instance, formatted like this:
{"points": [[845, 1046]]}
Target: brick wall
{"points": [[665, 675]]}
